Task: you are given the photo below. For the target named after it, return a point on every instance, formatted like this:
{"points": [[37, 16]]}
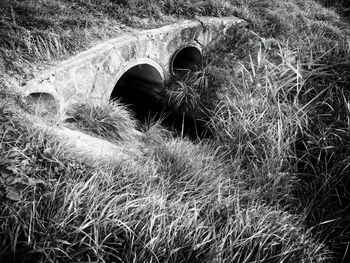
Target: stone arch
{"points": [[43, 102], [185, 59], [141, 87]]}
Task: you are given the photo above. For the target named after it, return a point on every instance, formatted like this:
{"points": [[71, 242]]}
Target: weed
{"points": [[271, 185], [113, 121]]}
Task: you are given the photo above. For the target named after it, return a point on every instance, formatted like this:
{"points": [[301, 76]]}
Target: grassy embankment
{"points": [[270, 186]]}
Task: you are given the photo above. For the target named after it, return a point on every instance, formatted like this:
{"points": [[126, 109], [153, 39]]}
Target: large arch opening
{"points": [[185, 60], [141, 88], [43, 103]]}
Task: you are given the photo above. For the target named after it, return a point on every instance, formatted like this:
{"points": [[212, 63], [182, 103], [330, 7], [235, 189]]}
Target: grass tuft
{"points": [[112, 121]]}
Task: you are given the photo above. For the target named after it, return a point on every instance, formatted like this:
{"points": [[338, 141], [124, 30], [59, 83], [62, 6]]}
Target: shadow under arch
{"points": [[185, 59], [141, 87], [43, 102]]}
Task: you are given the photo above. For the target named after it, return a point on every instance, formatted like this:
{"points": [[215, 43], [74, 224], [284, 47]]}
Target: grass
{"points": [[113, 121], [270, 186], [319, 42], [44, 32], [133, 210]]}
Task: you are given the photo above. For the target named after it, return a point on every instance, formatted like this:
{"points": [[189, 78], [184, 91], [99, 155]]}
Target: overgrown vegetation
{"points": [[179, 203], [113, 121], [270, 186]]}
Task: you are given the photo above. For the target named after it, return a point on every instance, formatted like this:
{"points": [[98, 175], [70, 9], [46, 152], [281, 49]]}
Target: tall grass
{"points": [[180, 203], [271, 185], [259, 119], [112, 121], [324, 155], [314, 106], [284, 108]]}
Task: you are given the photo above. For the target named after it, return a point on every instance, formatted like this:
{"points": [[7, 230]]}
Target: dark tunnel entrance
{"points": [[43, 103], [142, 89], [186, 60]]}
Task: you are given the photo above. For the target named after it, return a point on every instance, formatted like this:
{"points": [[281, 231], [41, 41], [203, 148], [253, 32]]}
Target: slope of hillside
{"points": [[270, 184]]}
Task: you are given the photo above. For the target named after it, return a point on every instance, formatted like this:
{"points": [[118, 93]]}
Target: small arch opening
{"points": [[142, 88], [186, 60], [43, 103]]}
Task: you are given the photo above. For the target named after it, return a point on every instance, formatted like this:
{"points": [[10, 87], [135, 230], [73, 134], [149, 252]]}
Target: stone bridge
{"points": [[136, 64]]}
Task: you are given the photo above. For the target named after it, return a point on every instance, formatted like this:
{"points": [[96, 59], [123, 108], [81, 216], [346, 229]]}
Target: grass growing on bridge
{"points": [[272, 185]]}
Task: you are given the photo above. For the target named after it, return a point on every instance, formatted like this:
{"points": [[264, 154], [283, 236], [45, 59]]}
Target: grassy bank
{"points": [[270, 185], [178, 203]]}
